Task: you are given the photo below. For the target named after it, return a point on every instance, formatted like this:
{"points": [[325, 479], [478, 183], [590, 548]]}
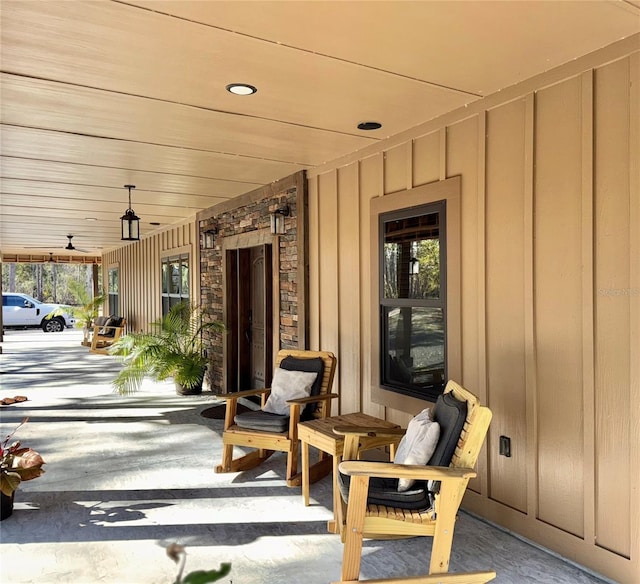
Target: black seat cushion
{"points": [[262, 421], [313, 365], [112, 321], [385, 492], [451, 414]]}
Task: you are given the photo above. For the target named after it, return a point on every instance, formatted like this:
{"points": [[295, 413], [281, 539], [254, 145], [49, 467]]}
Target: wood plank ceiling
{"points": [[99, 94]]}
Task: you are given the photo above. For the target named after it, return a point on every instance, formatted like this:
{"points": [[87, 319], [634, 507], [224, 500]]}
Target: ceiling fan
{"points": [[71, 247]]}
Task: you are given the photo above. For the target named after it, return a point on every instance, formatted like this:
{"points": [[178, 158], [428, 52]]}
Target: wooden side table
{"points": [[320, 435]]}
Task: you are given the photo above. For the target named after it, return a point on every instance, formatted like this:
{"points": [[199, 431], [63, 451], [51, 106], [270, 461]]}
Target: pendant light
{"points": [[130, 222]]}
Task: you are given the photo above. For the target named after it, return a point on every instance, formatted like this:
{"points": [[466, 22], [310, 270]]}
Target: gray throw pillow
{"points": [[418, 444], [288, 385]]}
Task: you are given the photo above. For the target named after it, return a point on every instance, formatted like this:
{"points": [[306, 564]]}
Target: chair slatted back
{"points": [[474, 430]]}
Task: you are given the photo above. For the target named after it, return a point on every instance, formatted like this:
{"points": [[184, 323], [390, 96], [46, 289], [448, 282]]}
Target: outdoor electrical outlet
{"points": [[505, 446]]}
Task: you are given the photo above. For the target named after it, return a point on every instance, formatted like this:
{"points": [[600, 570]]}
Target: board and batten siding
{"points": [[550, 294], [139, 265]]}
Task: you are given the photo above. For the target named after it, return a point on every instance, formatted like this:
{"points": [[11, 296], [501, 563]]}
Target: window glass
{"points": [[411, 260], [414, 346], [113, 281], [184, 271], [174, 277], [413, 300], [165, 285], [175, 281]]}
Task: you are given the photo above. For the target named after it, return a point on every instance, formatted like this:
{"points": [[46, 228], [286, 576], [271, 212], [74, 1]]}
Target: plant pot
{"points": [[6, 505], [192, 390]]}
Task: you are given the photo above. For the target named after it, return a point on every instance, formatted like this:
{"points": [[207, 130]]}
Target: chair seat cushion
{"points": [[263, 421], [385, 492]]}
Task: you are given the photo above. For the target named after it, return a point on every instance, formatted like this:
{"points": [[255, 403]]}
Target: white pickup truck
{"points": [[20, 310]]}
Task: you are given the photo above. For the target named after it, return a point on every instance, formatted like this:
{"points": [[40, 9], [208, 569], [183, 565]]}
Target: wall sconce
{"points": [[207, 237], [277, 219], [130, 222], [414, 266]]}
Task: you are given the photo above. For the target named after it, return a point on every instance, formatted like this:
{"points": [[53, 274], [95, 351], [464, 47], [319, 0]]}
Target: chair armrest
{"points": [[356, 468], [370, 432], [312, 398], [245, 393]]}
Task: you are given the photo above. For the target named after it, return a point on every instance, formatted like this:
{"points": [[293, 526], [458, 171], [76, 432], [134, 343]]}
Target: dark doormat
{"points": [[217, 412]]}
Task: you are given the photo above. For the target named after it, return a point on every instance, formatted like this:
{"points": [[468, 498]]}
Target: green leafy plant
{"points": [[178, 554], [87, 310], [17, 463], [173, 348]]}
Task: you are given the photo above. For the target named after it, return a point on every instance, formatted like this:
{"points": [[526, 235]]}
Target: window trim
{"points": [[448, 190]]}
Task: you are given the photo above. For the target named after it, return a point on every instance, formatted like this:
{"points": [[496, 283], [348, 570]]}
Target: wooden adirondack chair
{"points": [[436, 517], [268, 432], [105, 335]]}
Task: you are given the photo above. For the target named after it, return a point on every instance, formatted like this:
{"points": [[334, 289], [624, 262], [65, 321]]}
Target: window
{"points": [[13, 301], [113, 286], [175, 281], [413, 306]]}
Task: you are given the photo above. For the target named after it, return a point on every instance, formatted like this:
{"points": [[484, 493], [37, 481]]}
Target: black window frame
{"points": [[428, 391]]}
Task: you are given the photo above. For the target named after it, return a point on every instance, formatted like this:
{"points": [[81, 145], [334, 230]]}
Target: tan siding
{"points": [[505, 301], [613, 322], [370, 185], [348, 275], [314, 274], [329, 283], [426, 159], [140, 278], [558, 256], [462, 159], [550, 215], [397, 168]]}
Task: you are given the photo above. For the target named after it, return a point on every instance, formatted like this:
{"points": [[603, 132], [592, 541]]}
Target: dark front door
{"points": [[249, 317]]}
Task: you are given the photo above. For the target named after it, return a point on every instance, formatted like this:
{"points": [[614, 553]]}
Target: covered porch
{"points": [[127, 476]]}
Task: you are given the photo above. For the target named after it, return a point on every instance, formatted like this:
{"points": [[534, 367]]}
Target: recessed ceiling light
{"points": [[369, 126], [241, 89], [91, 219]]}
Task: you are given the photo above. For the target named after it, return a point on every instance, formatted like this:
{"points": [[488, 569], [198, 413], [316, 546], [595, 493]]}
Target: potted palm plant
{"points": [[87, 311], [87, 314], [17, 464], [173, 347]]}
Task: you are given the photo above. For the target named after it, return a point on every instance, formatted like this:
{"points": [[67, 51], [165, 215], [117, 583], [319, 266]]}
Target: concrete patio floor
{"points": [[126, 476]]}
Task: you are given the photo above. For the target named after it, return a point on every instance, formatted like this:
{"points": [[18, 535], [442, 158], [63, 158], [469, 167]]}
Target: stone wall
{"points": [[252, 214]]}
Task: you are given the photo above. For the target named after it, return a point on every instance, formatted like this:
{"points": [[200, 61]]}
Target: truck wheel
{"points": [[53, 325]]}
